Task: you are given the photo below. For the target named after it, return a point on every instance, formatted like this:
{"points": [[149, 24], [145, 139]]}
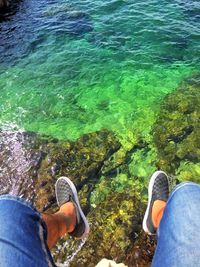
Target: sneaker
{"points": [[65, 192], [158, 190]]}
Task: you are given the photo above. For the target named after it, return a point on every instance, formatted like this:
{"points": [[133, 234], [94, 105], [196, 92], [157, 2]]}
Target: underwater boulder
{"points": [[176, 130]]}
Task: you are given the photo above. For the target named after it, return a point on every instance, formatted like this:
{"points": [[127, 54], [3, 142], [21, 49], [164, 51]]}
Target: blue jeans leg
{"points": [[178, 242], [22, 235]]}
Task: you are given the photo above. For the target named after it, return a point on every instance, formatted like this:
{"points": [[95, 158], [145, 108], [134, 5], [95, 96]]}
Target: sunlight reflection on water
{"points": [[15, 163]]}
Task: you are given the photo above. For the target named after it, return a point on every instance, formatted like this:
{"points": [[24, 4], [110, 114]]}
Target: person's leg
{"points": [[70, 217], [22, 235], [59, 223], [178, 234], [24, 232]]}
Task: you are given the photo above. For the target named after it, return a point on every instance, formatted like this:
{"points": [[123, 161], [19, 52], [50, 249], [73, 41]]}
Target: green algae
{"points": [[188, 171], [124, 105], [143, 164]]}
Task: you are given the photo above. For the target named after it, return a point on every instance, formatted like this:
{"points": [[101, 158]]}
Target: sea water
{"points": [[71, 68]]}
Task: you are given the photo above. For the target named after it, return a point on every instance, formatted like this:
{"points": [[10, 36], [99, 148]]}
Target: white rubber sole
{"points": [[75, 195], [150, 190]]}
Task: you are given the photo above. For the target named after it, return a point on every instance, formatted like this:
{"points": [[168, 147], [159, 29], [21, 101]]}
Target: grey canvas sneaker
{"points": [[158, 190], [65, 192]]}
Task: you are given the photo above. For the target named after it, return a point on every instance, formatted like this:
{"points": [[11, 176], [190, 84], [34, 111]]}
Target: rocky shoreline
{"points": [[111, 201], [110, 179]]}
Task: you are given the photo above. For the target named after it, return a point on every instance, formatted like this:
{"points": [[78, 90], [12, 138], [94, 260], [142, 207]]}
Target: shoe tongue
{"points": [[65, 200], [163, 198]]}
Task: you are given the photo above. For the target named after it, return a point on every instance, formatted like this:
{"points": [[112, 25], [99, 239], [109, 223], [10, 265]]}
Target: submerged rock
{"points": [[110, 196], [188, 171], [117, 208], [81, 161], [176, 131], [29, 157], [116, 222]]}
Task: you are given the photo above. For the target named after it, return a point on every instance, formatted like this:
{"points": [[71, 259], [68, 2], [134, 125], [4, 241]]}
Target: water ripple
{"points": [[89, 52]]}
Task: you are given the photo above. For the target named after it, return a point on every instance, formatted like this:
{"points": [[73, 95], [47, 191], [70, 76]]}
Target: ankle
{"points": [[66, 218], [157, 212]]}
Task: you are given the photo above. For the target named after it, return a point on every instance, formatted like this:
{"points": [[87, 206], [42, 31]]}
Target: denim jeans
{"points": [[23, 235], [178, 243]]}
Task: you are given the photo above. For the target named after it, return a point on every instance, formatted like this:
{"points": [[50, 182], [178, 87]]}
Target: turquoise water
{"points": [[71, 68]]}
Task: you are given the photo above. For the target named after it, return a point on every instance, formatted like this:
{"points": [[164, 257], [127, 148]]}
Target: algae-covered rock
{"points": [[115, 223], [176, 131], [188, 171], [122, 156], [81, 161], [103, 173], [31, 163]]}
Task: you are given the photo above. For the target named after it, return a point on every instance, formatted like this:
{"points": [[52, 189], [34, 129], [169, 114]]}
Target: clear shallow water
{"points": [[68, 69]]}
